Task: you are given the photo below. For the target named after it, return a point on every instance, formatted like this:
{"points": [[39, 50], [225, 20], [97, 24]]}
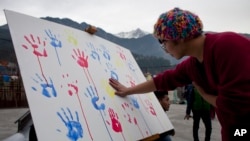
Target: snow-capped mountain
{"points": [[138, 33]]}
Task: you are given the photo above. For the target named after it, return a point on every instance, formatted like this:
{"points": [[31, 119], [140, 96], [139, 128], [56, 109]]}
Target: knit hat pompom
{"points": [[178, 24]]}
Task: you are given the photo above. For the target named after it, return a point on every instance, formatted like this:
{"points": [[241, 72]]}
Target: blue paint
{"points": [[106, 54], [74, 127], [95, 99], [54, 42], [135, 103], [48, 90], [94, 103], [33, 88], [114, 75], [131, 67], [94, 53]]}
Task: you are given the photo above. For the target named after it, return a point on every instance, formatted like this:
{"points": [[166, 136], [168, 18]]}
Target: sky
{"points": [[116, 16]]}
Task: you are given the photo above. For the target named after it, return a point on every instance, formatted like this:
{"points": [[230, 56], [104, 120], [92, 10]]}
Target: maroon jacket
{"points": [[225, 72]]}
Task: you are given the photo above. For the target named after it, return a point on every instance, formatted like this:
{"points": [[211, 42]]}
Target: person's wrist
{"points": [[128, 92]]}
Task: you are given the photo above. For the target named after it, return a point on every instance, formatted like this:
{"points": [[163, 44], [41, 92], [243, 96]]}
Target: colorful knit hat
{"points": [[177, 24]]}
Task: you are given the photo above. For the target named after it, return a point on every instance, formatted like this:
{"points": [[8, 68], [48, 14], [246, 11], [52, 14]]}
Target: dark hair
{"points": [[160, 94]]}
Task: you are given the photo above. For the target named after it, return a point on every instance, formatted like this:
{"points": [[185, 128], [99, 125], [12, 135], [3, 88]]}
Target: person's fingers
{"points": [[120, 94], [118, 87], [113, 83]]}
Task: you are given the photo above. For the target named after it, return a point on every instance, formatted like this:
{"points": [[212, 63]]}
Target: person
{"points": [[6, 79], [163, 99], [180, 92], [217, 65], [200, 109]]}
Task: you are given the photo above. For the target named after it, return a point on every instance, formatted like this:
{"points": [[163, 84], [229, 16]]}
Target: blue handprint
{"points": [[105, 53], [135, 102], [94, 53], [95, 99], [75, 130], [112, 71], [131, 66], [54, 41], [114, 75], [47, 89]]}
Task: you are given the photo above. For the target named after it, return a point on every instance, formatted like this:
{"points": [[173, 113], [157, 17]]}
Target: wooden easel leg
{"points": [[151, 138]]}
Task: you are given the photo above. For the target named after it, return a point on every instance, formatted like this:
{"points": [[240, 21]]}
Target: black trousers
{"points": [[205, 116]]}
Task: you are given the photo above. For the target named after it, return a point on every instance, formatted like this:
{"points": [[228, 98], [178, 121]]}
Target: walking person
{"points": [[200, 109], [218, 66]]}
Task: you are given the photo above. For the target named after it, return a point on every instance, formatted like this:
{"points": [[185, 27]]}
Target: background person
{"points": [[163, 98], [200, 109]]}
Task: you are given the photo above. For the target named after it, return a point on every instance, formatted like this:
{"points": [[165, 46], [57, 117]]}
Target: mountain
{"points": [[145, 45], [138, 33], [6, 46], [145, 48]]}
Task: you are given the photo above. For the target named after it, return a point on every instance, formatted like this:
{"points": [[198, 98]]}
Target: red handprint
{"points": [[131, 81], [151, 108], [83, 62], [123, 57], [135, 121], [81, 59], [121, 54], [116, 125], [36, 44], [73, 88], [73, 91], [125, 106]]}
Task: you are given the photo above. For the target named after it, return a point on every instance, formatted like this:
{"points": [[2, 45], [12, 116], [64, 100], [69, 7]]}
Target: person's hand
{"points": [[187, 117], [121, 90]]}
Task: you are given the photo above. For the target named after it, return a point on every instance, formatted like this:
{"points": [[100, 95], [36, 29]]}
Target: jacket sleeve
{"points": [[171, 79]]}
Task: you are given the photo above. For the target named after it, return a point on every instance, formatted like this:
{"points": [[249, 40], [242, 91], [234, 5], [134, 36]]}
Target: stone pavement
{"points": [[176, 113], [7, 121], [183, 128]]}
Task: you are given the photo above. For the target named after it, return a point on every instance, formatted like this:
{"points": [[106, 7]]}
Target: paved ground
{"points": [[183, 128], [7, 121]]}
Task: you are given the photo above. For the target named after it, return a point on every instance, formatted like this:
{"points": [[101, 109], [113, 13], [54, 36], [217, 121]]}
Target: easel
{"points": [[151, 138], [91, 29], [158, 136]]}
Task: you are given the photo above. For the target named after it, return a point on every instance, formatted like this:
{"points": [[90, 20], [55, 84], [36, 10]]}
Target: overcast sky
{"points": [[125, 15]]}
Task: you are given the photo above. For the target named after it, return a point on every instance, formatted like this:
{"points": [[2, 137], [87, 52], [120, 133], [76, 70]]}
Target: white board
{"points": [[65, 74]]}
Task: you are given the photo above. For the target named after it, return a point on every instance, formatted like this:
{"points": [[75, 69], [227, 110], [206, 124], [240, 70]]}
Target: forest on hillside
{"points": [[152, 64]]}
